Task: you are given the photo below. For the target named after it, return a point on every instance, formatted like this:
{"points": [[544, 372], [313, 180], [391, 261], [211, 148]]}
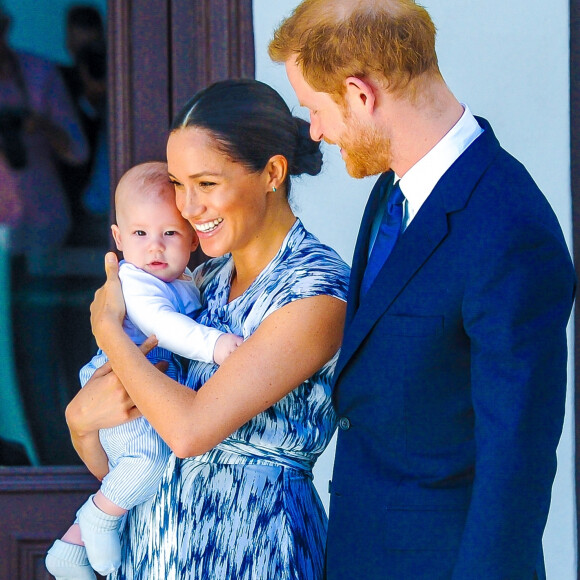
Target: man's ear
{"points": [[117, 237], [360, 95]]}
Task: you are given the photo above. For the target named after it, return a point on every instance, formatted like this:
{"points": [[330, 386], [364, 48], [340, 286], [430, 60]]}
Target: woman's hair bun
{"points": [[307, 153], [250, 123]]}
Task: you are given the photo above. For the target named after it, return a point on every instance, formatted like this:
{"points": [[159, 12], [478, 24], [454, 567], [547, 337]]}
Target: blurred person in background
{"points": [[38, 125], [87, 185]]}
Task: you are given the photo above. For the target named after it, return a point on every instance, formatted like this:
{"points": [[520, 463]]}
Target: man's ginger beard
{"points": [[366, 150]]}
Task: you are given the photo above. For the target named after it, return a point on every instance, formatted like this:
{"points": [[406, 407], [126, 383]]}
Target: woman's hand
{"points": [[100, 404], [108, 306]]}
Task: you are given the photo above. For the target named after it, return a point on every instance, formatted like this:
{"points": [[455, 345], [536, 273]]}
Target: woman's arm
{"points": [[289, 346]]}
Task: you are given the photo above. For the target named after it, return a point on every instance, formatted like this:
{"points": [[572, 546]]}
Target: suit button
{"points": [[344, 423]]}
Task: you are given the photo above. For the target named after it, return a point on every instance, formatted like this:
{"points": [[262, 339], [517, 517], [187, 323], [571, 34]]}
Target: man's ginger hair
{"points": [[390, 41]]}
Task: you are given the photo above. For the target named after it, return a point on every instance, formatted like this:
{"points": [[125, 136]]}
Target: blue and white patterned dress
{"points": [[247, 509]]}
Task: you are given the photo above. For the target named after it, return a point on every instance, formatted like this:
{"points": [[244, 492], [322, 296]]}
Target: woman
{"points": [[237, 500]]}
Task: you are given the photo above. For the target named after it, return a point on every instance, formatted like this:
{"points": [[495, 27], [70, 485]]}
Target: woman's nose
{"points": [[189, 205]]}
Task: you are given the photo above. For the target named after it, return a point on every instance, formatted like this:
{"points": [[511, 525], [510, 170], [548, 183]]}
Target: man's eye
{"points": [[206, 183]]}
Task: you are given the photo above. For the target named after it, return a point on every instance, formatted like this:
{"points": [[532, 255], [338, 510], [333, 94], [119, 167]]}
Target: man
{"points": [[451, 381]]}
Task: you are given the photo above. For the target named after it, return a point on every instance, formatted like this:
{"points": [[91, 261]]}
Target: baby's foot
{"points": [[68, 562], [100, 534]]}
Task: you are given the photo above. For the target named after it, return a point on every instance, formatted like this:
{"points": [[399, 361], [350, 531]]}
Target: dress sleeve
{"points": [[151, 309], [311, 270], [315, 270]]}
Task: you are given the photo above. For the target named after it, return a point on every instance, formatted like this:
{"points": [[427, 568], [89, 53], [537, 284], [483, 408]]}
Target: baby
{"points": [[160, 297]]}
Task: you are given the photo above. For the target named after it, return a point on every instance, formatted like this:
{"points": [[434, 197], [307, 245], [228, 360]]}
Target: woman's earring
{"points": [[274, 189]]}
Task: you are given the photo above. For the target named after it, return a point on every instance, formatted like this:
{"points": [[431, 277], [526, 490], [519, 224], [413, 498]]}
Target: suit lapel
{"points": [[413, 248], [362, 244], [419, 241]]}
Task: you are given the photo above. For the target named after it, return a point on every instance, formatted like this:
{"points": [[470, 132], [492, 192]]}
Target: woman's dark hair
{"points": [[251, 123]]}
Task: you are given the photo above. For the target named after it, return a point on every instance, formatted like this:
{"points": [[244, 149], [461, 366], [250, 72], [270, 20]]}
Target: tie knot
{"points": [[394, 212], [396, 196]]}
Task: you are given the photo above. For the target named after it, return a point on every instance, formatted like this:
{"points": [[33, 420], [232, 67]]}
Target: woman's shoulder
{"points": [[312, 249], [309, 267], [308, 251]]}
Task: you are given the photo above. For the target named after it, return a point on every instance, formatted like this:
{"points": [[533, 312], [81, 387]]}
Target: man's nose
{"points": [[315, 129]]}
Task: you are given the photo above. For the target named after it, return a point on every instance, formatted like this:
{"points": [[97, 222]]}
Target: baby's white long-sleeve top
{"points": [[164, 309]]}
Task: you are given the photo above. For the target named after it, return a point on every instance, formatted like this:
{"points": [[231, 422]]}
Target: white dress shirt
{"points": [[418, 183]]}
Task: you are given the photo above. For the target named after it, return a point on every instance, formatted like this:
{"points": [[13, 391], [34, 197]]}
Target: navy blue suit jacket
{"points": [[451, 384]]}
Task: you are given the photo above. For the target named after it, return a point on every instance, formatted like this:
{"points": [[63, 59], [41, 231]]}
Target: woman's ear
{"points": [[360, 95], [117, 237], [276, 171]]}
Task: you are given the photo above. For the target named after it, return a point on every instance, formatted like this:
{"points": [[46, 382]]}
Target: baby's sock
{"points": [[100, 534], [68, 562]]}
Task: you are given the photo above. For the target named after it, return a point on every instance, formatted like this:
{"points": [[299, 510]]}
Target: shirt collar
{"points": [[420, 180]]}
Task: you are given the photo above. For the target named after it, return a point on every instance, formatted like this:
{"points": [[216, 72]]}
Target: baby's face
{"points": [[154, 236]]}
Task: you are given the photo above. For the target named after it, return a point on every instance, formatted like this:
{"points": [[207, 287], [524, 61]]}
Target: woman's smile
{"points": [[226, 203], [209, 226]]}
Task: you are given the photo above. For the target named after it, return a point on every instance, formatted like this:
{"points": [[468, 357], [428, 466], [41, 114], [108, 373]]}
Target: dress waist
{"points": [[234, 453]]}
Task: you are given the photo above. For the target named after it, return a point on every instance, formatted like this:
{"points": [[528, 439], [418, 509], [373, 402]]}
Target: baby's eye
{"points": [[140, 233], [171, 233]]}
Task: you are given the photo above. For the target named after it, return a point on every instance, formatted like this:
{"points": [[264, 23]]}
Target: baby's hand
{"points": [[225, 345]]}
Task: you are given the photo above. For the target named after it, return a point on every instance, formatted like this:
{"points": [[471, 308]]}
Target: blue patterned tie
{"points": [[387, 236]]}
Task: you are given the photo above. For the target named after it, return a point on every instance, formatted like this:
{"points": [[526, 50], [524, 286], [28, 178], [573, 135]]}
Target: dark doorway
{"points": [[159, 53]]}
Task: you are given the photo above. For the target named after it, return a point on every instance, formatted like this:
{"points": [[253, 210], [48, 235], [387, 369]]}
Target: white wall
{"points": [[509, 62]]}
